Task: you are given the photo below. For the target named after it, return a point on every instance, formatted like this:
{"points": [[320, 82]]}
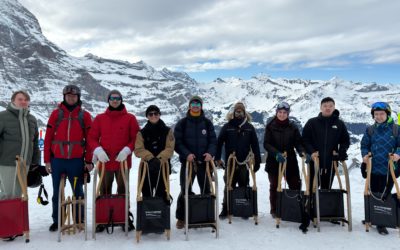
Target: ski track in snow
{"points": [[239, 235]]}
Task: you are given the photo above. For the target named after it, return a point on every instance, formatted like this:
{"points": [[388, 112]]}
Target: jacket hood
{"points": [[230, 117], [15, 110]]}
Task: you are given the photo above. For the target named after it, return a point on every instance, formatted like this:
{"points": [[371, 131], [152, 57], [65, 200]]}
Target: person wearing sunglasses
{"points": [[112, 139], [282, 135], [195, 141], [239, 136], [381, 139], [155, 144], [65, 147]]}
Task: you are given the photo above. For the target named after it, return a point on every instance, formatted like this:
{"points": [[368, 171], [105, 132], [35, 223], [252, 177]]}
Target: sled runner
{"points": [[14, 219], [201, 210], [110, 209], [153, 213], [241, 201], [291, 204], [328, 204], [72, 212], [382, 209]]}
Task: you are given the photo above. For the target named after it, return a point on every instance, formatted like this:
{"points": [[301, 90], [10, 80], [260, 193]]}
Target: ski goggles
{"points": [[381, 105], [283, 105], [195, 104], [73, 90], [115, 98]]}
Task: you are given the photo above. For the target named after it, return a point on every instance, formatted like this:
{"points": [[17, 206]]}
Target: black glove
{"points": [[335, 157], [364, 170], [39, 168]]}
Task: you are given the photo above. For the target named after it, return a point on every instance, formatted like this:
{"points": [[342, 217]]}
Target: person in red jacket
{"points": [[112, 137], [65, 147]]}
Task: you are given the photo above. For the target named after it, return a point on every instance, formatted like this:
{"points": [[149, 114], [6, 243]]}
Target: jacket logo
{"points": [[334, 126], [204, 132]]}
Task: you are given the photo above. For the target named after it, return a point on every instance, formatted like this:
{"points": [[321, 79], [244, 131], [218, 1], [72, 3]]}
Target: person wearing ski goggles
{"points": [[381, 139]]}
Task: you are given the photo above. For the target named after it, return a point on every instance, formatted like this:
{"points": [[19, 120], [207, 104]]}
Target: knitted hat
{"points": [[115, 92], [152, 108]]}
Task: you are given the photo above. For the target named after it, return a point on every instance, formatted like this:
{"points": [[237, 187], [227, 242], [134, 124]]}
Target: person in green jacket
{"points": [[18, 136]]}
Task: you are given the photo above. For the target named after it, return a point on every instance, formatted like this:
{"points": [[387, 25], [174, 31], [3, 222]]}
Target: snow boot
{"points": [[382, 230], [53, 227], [180, 224]]}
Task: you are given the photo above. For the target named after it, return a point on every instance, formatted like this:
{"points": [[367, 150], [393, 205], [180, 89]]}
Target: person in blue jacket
{"points": [[381, 139]]}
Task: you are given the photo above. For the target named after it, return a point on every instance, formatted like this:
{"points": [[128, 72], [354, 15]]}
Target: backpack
{"points": [[61, 117]]}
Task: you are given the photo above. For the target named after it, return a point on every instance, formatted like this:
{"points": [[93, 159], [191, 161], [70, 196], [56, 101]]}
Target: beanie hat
{"points": [[196, 98], [152, 108], [115, 92]]}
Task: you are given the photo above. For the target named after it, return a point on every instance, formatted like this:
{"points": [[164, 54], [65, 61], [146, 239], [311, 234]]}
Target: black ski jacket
{"points": [[279, 138], [239, 139], [325, 135], [195, 135]]}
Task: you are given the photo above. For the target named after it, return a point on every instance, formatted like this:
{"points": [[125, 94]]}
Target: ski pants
{"points": [[73, 169]]}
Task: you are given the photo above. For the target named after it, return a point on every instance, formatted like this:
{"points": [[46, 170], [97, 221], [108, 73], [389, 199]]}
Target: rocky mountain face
{"points": [[29, 61]]}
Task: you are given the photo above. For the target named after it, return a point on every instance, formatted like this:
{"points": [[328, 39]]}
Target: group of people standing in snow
{"points": [[73, 143]]}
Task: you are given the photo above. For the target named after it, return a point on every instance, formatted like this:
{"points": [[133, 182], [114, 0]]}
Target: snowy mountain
{"points": [[29, 61]]}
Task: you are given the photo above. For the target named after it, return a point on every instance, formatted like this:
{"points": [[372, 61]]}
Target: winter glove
{"points": [[100, 154], [279, 158], [220, 164], [335, 157], [123, 154], [364, 170]]}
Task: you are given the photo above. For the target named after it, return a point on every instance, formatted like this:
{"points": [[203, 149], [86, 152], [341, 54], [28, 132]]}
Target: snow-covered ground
{"points": [[241, 234]]}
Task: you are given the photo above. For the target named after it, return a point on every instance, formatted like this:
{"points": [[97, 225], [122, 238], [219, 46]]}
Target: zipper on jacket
{"points": [[325, 142]]}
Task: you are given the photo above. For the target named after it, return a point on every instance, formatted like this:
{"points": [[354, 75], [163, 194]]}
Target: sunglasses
{"points": [[195, 104], [153, 114], [115, 98]]}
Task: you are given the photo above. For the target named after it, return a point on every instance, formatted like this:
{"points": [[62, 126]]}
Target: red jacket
{"points": [[68, 140], [113, 130]]}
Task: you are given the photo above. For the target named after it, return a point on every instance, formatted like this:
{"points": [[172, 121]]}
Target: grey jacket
{"points": [[18, 136]]}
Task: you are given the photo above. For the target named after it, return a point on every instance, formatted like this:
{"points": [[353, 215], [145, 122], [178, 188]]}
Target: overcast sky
{"points": [[357, 40]]}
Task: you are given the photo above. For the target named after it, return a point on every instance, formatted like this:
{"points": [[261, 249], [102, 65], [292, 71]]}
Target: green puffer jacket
{"points": [[18, 136]]}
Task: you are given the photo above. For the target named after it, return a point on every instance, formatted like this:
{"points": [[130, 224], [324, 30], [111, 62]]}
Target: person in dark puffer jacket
{"points": [[195, 141], [281, 136], [322, 135], [380, 140], [239, 136]]}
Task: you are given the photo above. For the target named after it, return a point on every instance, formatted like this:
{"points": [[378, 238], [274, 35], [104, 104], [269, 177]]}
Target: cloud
{"points": [[203, 35]]}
